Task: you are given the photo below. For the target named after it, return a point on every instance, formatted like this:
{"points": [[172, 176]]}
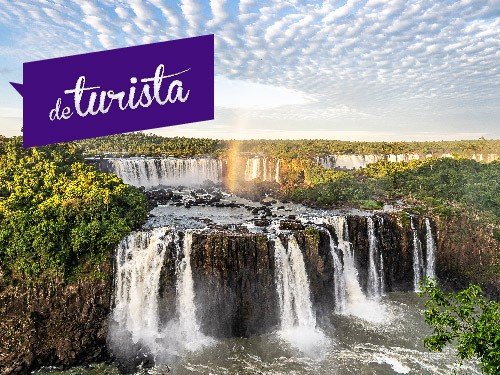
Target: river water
{"points": [[390, 344], [373, 333]]}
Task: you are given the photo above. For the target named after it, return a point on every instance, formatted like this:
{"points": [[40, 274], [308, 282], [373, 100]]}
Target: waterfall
{"points": [[298, 321], [357, 304], [353, 288], [252, 169], [418, 266], [430, 269], [139, 260], [347, 161], [338, 277], [190, 328], [375, 286], [151, 172], [293, 286], [262, 168]]}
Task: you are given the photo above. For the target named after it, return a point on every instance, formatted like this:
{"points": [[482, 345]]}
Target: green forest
{"points": [[62, 218], [437, 183], [140, 144], [58, 215]]}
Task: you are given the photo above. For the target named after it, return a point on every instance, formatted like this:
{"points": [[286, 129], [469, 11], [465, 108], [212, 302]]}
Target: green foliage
{"points": [[444, 185], [288, 149], [58, 214], [370, 204], [466, 320], [136, 144], [439, 181], [342, 187]]}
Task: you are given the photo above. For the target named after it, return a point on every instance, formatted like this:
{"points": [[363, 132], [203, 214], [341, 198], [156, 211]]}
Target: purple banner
{"points": [[118, 91]]}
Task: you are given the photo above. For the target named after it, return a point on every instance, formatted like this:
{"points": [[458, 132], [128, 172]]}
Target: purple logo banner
{"points": [[118, 91]]}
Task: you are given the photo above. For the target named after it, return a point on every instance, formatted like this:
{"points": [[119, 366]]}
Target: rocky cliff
{"points": [[234, 281], [468, 252], [53, 323]]}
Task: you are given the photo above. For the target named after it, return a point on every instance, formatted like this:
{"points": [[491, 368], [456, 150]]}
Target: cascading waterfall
{"points": [[347, 161], [418, 266], [140, 258], [262, 168], [151, 172], [356, 161], [252, 169], [375, 287], [293, 286], [139, 261], [298, 321], [188, 322], [430, 269], [338, 277], [353, 288], [357, 304]]}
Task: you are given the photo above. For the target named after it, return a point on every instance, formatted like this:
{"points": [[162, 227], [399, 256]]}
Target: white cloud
{"points": [[236, 93], [218, 11], [365, 63], [121, 12], [11, 112]]}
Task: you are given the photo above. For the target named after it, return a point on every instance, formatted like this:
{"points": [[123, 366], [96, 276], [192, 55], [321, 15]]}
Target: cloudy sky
{"points": [[357, 70]]}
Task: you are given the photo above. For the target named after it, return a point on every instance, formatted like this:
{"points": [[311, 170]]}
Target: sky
{"points": [[352, 70]]}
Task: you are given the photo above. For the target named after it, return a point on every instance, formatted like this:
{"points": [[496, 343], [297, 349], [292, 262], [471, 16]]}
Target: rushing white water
{"points": [[418, 264], [356, 161], [354, 292], [151, 172], [375, 287], [338, 277], [186, 308], [293, 286], [140, 258], [347, 161], [430, 269], [262, 168], [298, 321], [368, 309], [138, 267], [278, 171]]}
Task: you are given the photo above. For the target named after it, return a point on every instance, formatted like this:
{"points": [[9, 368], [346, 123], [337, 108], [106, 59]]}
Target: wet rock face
{"points": [[167, 286], [394, 240], [54, 324], [234, 283], [396, 243], [315, 246], [234, 272], [467, 252]]}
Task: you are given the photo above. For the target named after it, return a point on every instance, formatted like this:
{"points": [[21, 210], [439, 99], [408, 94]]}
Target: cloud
{"points": [[218, 11], [350, 63], [235, 93], [11, 112]]}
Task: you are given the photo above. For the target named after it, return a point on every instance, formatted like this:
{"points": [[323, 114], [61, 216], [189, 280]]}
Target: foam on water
{"points": [[298, 321], [358, 304], [140, 258]]}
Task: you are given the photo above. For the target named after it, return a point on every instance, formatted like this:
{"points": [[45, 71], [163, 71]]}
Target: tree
{"points": [[59, 215], [466, 320]]}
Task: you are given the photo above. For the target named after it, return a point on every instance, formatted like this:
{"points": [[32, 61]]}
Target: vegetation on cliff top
{"points": [[438, 183], [140, 144], [59, 216], [137, 144]]}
